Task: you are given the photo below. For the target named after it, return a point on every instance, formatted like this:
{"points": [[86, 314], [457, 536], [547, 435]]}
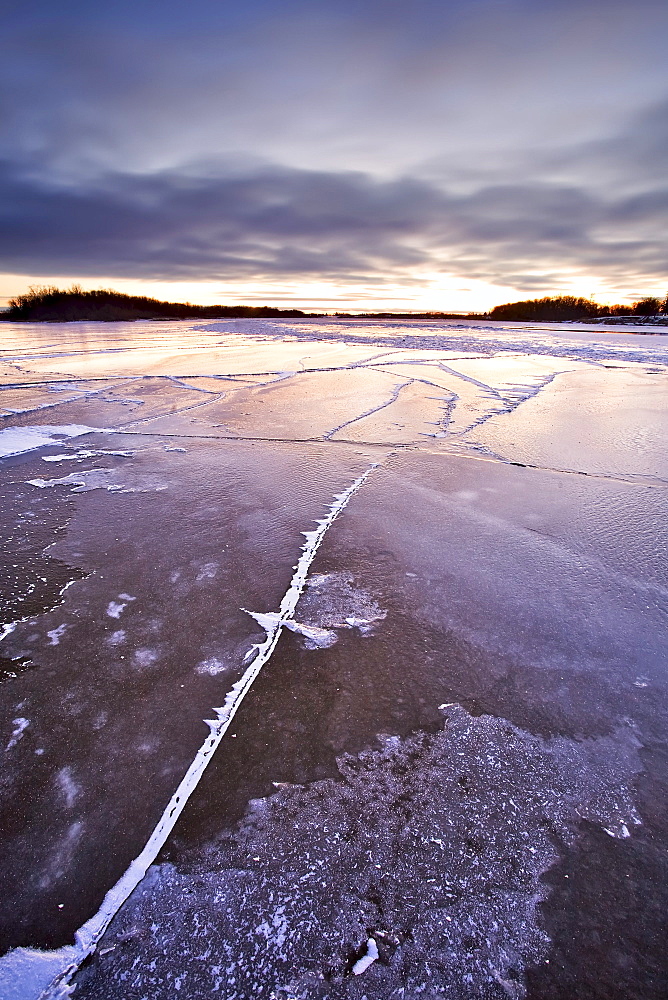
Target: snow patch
{"points": [[85, 453], [7, 630], [93, 479], [314, 636], [211, 666], [56, 634], [116, 608], [20, 725], [82, 482], [18, 440]]}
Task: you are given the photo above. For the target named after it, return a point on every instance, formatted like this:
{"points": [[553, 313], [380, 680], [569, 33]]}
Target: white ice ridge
{"points": [[17, 440], [320, 638], [363, 963], [90, 933], [84, 453]]}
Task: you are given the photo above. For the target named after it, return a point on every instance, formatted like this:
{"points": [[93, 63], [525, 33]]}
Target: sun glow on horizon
{"points": [[427, 292]]}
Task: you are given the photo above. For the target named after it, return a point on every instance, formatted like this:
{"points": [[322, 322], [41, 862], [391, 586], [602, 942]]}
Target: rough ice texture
{"points": [[433, 846], [25, 972], [330, 601], [336, 600]]}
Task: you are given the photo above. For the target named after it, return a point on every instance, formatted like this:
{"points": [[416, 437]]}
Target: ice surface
{"points": [[599, 421], [508, 555]]}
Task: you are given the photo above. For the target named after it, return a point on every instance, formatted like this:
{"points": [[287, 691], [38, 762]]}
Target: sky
{"points": [[359, 154]]}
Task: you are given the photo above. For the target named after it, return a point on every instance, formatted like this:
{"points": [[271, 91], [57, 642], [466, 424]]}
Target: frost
{"points": [[26, 972], [116, 608], [69, 787], [144, 658], [211, 666], [419, 848], [56, 634], [20, 726], [208, 571]]}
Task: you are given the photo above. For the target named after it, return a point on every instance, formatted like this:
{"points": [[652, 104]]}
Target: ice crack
{"points": [[89, 935]]}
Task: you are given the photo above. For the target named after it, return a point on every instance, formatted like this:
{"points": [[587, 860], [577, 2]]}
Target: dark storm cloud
{"points": [[285, 222], [359, 138]]}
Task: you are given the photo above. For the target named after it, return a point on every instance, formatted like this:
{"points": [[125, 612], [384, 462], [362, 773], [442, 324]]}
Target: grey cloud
{"points": [[281, 222], [374, 85]]}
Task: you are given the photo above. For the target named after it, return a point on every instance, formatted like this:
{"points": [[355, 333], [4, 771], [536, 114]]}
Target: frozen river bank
{"points": [[454, 750]]}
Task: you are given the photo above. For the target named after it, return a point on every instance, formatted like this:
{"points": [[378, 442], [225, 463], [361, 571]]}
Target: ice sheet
{"points": [[599, 421], [535, 596]]}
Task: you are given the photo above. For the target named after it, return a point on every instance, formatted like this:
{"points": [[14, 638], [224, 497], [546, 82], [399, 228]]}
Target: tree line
{"points": [[570, 307], [49, 303]]}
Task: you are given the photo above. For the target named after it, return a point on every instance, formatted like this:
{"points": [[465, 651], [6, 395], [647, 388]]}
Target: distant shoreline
{"points": [[630, 322], [54, 305]]}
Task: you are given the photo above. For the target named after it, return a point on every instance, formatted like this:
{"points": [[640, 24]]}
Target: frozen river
{"points": [[415, 578]]}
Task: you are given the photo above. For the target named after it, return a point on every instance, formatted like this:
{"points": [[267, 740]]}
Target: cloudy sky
{"points": [[439, 154]]}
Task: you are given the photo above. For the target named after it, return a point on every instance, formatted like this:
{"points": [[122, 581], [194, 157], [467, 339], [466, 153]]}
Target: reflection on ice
{"points": [[611, 422]]}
